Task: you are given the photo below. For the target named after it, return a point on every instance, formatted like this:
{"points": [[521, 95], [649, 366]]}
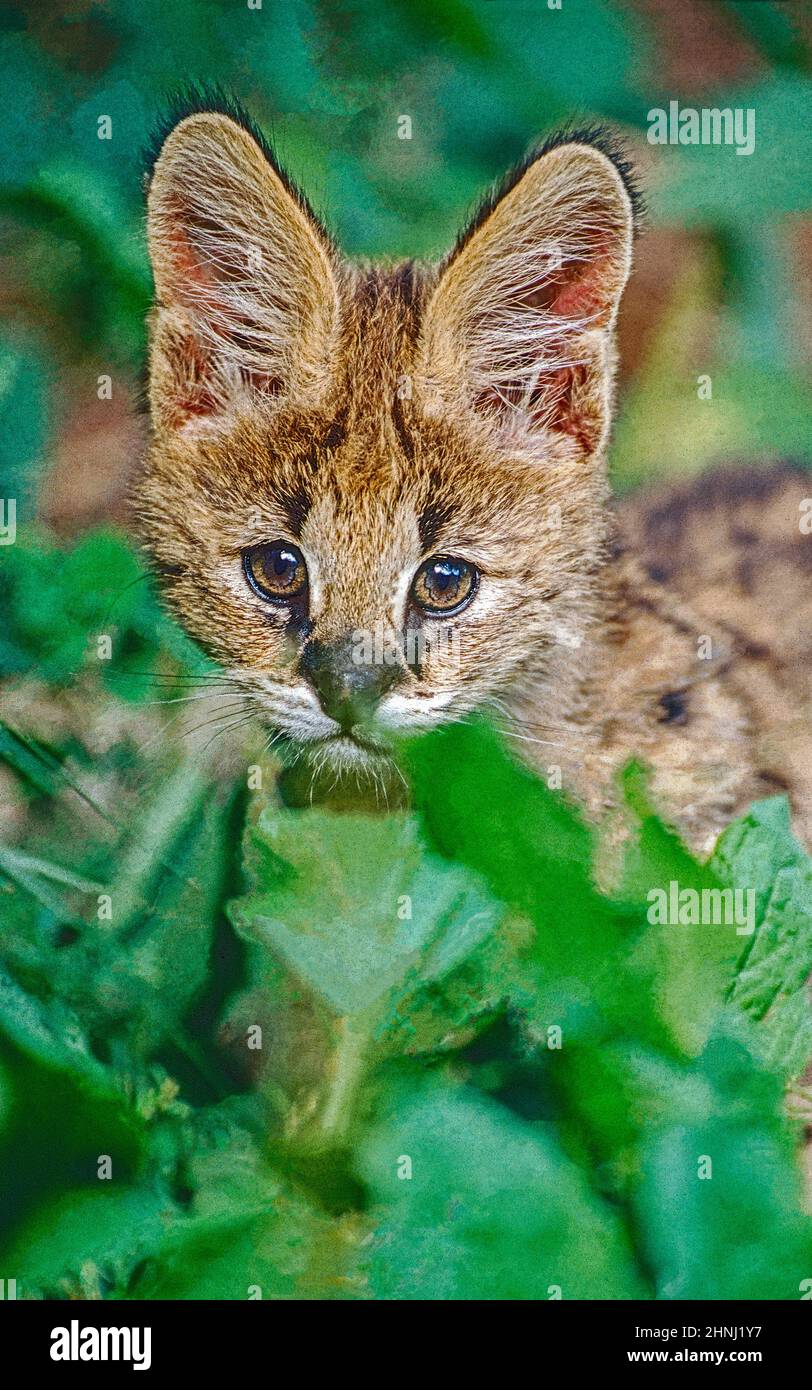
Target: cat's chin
{"points": [[342, 772], [341, 752], [349, 751]]}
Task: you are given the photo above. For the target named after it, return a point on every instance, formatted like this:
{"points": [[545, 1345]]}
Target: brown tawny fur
{"points": [[376, 417]]}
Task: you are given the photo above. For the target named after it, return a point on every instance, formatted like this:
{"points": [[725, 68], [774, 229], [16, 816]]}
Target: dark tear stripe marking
{"points": [[435, 515], [296, 504]]}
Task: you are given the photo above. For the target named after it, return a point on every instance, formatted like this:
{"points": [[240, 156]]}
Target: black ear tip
{"points": [[205, 98], [610, 145], [598, 137], [192, 99]]}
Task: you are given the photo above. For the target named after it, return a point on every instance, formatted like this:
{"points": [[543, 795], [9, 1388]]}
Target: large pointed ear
{"points": [[519, 327], [245, 279]]}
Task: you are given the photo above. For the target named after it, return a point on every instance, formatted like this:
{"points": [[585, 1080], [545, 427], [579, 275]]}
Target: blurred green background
{"points": [[722, 283]]}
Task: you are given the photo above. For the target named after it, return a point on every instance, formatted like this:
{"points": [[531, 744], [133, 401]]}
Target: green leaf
{"points": [[758, 855], [50, 1033], [39, 767], [718, 1203], [84, 1242], [246, 1233], [36, 875], [277, 1249], [153, 961], [355, 907], [488, 1207], [383, 946], [538, 856]]}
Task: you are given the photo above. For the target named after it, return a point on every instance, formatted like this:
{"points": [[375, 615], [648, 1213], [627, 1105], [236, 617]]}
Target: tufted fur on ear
{"points": [[246, 280], [519, 327]]}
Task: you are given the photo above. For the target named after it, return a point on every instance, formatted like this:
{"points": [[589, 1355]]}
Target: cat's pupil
{"points": [[281, 567], [445, 576], [284, 565]]}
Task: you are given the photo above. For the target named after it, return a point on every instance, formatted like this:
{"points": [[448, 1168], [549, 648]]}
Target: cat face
{"points": [[374, 495]]}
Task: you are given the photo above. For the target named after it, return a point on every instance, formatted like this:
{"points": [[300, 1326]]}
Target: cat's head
{"points": [[375, 493]]}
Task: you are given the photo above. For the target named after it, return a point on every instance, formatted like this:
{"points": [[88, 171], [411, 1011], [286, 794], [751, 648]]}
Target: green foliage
{"points": [[771, 983], [59, 601], [479, 1076], [357, 960], [494, 1210]]}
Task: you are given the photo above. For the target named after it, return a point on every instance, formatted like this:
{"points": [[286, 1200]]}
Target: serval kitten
{"points": [[377, 494]]}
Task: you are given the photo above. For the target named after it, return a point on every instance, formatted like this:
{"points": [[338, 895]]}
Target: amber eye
{"points": [[276, 570], [444, 585]]}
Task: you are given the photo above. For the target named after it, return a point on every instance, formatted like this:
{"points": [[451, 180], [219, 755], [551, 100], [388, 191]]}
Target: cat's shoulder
{"points": [[731, 540]]}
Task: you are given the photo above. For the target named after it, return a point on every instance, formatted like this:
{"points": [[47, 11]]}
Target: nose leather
{"points": [[348, 689]]}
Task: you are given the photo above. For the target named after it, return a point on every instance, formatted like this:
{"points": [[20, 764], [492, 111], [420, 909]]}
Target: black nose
{"points": [[348, 688]]}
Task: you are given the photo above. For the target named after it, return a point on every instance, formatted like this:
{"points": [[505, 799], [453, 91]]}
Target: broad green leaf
{"points": [[357, 909], [475, 1204], [279, 1249], [718, 1203], [537, 855], [759, 856], [246, 1232], [85, 1242]]}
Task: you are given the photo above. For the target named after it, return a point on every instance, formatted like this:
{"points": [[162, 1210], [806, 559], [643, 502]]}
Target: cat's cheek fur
{"points": [[410, 713]]}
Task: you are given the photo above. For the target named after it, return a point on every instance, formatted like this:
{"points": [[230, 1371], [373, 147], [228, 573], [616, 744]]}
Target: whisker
{"points": [[225, 712], [175, 675], [228, 728], [515, 728], [183, 699], [169, 726], [528, 738]]}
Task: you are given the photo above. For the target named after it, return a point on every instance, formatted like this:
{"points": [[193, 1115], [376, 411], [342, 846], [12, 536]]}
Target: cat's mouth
{"points": [[356, 745], [344, 748], [345, 770]]}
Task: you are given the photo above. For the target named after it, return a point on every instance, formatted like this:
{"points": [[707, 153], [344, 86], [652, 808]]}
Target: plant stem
{"points": [[347, 1066]]}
